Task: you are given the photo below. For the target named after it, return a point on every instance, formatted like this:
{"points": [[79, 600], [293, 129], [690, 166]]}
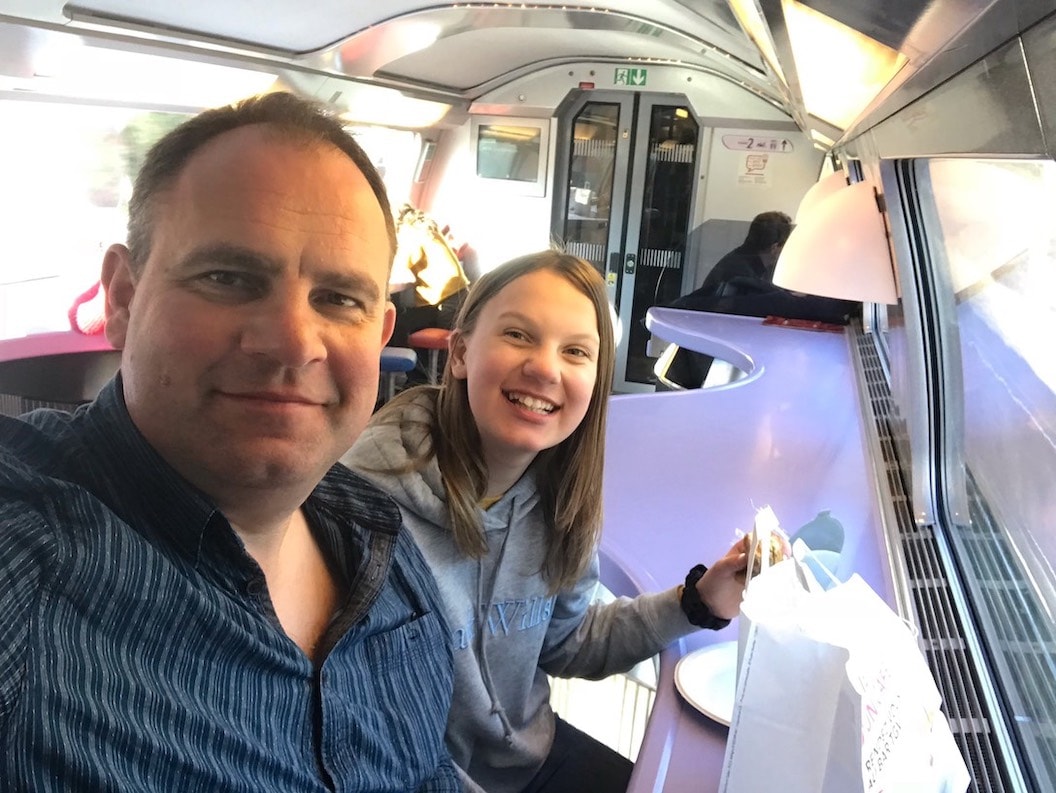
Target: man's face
{"points": [[252, 336], [770, 255]]}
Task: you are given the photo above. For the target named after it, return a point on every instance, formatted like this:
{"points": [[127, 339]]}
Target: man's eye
{"points": [[225, 278], [228, 285], [340, 300]]}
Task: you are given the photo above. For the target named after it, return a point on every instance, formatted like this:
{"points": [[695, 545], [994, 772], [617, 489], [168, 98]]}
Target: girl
{"points": [[498, 474]]}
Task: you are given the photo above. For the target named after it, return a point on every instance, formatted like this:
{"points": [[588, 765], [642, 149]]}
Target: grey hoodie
{"points": [[508, 632]]}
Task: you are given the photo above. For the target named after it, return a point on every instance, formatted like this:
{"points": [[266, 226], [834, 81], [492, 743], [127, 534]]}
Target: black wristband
{"points": [[696, 611]]}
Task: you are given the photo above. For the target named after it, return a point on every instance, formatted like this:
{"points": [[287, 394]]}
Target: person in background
{"points": [[498, 474], [193, 596], [742, 283], [748, 268]]}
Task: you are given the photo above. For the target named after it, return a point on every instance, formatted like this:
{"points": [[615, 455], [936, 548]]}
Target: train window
{"points": [[395, 153], [68, 171], [512, 151], [507, 152], [997, 243]]}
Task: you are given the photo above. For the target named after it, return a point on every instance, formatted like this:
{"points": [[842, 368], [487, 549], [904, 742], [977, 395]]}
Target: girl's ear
{"points": [[119, 286], [456, 350]]}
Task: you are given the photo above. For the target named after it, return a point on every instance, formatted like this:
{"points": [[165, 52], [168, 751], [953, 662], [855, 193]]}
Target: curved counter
{"points": [[686, 469]]}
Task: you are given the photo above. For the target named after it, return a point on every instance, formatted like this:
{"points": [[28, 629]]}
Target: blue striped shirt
{"points": [[139, 649]]}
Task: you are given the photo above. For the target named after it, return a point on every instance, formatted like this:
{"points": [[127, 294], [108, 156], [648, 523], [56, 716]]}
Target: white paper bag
{"points": [[833, 695]]}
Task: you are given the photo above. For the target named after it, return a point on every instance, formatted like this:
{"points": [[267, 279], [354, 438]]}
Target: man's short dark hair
{"points": [[299, 119], [768, 228]]}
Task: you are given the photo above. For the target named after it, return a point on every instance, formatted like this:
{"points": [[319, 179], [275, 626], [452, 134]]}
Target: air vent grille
{"points": [[1024, 637], [942, 633]]}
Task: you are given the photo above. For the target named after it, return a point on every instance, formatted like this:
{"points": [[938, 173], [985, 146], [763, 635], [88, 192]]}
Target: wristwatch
{"points": [[696, 610]]}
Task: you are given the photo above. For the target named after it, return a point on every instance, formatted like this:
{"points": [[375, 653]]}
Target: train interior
{"points": [[911, 143]]}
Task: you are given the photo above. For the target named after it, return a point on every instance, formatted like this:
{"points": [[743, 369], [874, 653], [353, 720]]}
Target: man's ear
{"points": [[119, 286], [388, 322], [456, 350]]}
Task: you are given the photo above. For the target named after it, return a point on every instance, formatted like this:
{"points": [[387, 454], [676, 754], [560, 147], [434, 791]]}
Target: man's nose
{"points": [[286, 329]]}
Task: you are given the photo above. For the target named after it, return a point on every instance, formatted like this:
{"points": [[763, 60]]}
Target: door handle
{"points": [[628, 264]]}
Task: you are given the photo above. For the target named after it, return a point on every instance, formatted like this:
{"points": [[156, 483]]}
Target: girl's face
{"points": [[530, 365]]}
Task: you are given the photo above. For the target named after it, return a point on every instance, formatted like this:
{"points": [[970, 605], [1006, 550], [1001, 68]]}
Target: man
{"points": [[193, 596], [748, 268], [742, 281]]}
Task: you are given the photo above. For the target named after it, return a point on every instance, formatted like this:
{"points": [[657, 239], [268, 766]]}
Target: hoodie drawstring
{"points": [[483, 605]]}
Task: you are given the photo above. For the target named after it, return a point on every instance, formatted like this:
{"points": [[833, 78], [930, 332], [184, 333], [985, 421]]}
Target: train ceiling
{"points": [[831, 65]]}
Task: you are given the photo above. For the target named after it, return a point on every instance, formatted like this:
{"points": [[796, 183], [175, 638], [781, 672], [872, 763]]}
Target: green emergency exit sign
{"points": [[628, 76]]}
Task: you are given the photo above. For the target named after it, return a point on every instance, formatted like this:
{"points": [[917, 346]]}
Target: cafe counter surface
{"points": [[685, 470]]}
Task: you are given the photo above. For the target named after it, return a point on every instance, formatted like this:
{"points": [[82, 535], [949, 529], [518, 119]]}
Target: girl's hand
{"points": [[722, 587]]}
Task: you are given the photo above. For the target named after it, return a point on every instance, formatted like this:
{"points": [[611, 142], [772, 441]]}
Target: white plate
{"points": [[706, 678]]}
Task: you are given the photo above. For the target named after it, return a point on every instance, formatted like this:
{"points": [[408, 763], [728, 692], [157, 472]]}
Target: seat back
{"points": [[62, 369]]}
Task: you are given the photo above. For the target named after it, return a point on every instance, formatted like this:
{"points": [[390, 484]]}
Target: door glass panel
{"points": [[592, 164], [668, 192]]}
